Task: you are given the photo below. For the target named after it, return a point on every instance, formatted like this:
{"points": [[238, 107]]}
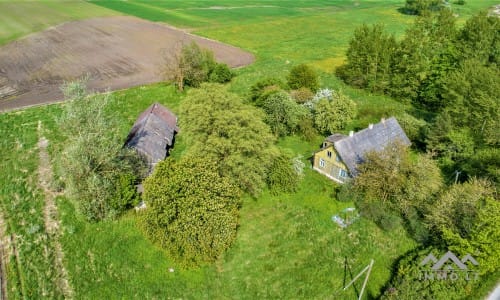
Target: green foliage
{"points": [[369, 58], [283, 177], [409, 282], [391, 181], [263, 89], [431, 36], [220, 73], [196, 64], [413, 127], [472, 92], [483, 232], [283, 114], [333, 114], [126, 194], [302, 95], [457, 209], [479, 39], [303, 76], [422, 7], [306, 128], [221, 128], [97, 175], [192, 211]]}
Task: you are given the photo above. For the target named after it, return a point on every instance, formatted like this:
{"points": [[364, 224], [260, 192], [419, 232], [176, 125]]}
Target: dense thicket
{"points": [[451, 73], [422, 7], [222, 128], [192, 65], [303, 76], [98, 173], [192, 211], [392, 185]]}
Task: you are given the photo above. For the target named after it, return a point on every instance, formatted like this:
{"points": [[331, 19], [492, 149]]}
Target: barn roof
{"points": [[153, 133], [376, 137]]}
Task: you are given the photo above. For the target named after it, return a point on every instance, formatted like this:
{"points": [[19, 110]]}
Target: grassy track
{"points": [[19, 18], [287, 246]]}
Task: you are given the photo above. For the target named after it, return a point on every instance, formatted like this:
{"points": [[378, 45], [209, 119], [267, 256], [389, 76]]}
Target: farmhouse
{"points": [[339, 155], [153, 134]]}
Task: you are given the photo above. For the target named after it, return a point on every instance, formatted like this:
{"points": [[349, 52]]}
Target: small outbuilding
{"points": [[153, 134], [340, 155]]}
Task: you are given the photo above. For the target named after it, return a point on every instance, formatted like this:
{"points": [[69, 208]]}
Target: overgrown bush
{"points": [[421, 7], [332, 114], [97, 171], [283, 176], [263, 89], [391, 182], [282, 113], [409, 282], [303, 76], [191, 66], [192, 211], [302, 95], [306, 127], [220, 74], [226, 130]]}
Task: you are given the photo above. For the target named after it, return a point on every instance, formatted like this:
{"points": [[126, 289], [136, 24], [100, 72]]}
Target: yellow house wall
{"points": [[332, 166]]}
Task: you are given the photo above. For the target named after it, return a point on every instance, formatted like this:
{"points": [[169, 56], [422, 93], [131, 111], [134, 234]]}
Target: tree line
{"points": [[451, 74]]}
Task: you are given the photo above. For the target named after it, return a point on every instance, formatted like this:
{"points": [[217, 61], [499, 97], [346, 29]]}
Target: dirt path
{"points": [[51, 215], [115, 52], [4, 250]]}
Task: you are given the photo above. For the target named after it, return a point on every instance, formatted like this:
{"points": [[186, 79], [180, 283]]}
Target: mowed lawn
{"points": [[287, 246], [19, 18]]}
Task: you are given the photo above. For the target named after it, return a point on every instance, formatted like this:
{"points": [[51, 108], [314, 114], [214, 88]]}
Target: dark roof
{"points": [[335, 137], [153, 133], [352, 149]]}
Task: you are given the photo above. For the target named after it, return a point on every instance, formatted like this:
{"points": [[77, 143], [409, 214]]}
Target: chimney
{"points": [[370, 126], [382, 120], [351, 133]]}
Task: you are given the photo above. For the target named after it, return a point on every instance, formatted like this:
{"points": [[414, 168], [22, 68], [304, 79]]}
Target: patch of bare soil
{"points": [[51, 215], [116, 53]]}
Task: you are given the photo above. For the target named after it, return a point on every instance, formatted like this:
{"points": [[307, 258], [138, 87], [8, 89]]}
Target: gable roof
{"points": [[335, 137], [352, 149], [153, 132]]}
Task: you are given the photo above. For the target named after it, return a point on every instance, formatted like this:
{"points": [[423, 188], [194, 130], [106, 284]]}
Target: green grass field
{"points": [[287, 246], [19, 18]]}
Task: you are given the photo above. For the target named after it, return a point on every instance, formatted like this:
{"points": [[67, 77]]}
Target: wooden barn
{"points": [[153, 134], [340, 154]]}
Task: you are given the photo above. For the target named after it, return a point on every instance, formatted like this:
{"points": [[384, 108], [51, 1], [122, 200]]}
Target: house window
{"points": [[343, 173], [329, 153], [337, 158], [321, 163]]}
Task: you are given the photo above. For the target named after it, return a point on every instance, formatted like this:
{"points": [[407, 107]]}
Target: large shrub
{"points": [[332, 113], [191, 211], [263, 89], [220, 74], [283, 114], [99, 174], [303, 76], [283, 175], [222, 128]]}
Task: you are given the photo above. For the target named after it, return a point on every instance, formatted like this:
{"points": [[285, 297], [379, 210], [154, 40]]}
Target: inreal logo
{"points": [[448, 267]]}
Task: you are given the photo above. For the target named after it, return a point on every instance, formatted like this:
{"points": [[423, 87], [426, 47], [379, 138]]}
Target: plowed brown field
{"points": [[115, 52]]}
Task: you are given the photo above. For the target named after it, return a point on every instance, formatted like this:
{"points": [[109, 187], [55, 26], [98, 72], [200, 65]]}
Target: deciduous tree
{"points": [[98, 172], [222, 128], [191, 211]]}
